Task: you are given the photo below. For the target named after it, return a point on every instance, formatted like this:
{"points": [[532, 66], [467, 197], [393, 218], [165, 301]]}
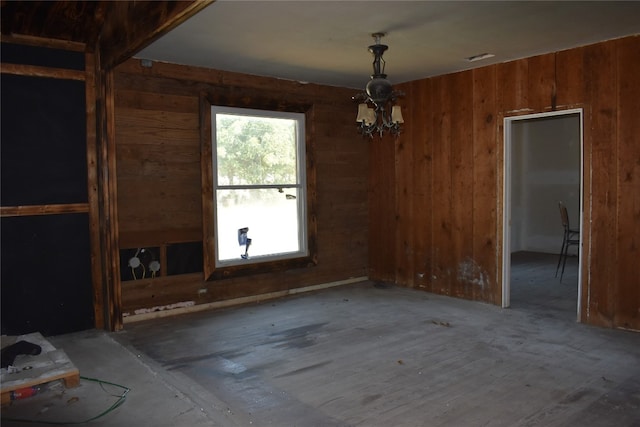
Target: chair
{"points": [[571, 237]]}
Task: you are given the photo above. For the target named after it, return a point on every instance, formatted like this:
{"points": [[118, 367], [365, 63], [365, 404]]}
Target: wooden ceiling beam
{"points": [[36, 22], [131, 26]]}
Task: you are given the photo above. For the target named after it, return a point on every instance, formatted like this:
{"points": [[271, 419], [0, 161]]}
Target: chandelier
{"points": [[376, 112]]}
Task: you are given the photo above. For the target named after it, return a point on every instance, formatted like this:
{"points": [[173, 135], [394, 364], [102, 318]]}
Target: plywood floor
{"points": [[369, 354]]}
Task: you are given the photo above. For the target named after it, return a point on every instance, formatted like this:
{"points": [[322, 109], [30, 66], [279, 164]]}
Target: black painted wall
{"points": [[45, 259]]}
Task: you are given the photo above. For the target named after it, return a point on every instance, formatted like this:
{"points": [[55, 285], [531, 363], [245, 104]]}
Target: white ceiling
{"points": [[326, 41]]}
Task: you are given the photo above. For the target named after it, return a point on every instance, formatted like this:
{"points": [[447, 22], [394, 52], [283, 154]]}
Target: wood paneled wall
{"points": [[159, 180], [444, 176]]}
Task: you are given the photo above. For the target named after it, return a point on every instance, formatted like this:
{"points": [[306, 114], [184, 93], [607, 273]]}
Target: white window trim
{"points": [[301, 186]]}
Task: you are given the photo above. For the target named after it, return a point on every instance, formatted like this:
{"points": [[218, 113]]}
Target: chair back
{"points": [[564, 215]]}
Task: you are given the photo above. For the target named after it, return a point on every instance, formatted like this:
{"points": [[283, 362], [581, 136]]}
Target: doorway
{"points": [[543, 164]]}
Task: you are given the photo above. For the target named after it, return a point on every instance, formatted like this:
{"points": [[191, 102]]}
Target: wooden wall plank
{"points": [[153, 161], [541, 88], [404, 208], [443, 266], [156, 119], [32, 40], [382, 206], [115, 306], [131, 239], [107, 195], [420, 128], [36, 71], [513, 82], [570, 78], [600, 69], [485, 186], [462, 185], [99, 303], [206, 184], [139, 100], [627, 287], [29, 210]]}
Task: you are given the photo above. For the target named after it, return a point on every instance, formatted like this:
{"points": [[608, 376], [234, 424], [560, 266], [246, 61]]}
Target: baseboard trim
{"points": [[159, 312]]}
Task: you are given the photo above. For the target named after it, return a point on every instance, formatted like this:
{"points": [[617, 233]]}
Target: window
{"points": [[259, 185]]}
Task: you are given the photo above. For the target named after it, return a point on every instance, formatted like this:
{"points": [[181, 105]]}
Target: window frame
{"points": [[299, 185], [212, 271]]}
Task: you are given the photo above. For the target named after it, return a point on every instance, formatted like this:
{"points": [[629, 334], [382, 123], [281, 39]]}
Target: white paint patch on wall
{"points": [[469, 271], [163, 307]]}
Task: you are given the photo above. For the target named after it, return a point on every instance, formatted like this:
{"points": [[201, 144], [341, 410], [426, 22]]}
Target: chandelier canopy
{"points": [[376, 110]]}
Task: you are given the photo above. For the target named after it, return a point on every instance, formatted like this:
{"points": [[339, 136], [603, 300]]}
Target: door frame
{"points": [[506, 200]]}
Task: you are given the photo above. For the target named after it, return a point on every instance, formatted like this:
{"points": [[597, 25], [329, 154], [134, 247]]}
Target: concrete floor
{"points": [[365, 354]]}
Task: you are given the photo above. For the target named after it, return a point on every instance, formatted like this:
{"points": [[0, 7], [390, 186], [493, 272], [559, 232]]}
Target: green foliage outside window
{"points": [[256, 151]]}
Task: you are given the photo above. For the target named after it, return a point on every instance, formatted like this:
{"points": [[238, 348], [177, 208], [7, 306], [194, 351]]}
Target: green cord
{"points": [[121, 398]]}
